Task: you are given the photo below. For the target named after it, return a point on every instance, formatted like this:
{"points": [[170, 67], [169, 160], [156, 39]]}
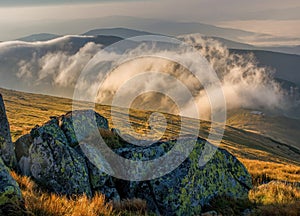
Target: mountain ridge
{"points": [[129, 32]]}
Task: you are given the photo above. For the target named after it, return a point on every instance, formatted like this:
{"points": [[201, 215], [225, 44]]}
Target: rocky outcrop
{"points": [[83, 120], [22, 153], [190, 186], [57, 166], [100, 181], [52, 155], [6, 146], [10, 194]]}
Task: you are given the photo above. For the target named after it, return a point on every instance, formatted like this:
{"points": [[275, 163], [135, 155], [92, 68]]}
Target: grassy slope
{"points": [[265, 158], [284, 129]]}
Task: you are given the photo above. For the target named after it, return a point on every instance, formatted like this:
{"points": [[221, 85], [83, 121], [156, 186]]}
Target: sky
{"points": [[23, 17]]}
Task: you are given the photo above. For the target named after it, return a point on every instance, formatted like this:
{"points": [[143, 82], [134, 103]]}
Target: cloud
{"points": [[55, 67], [49, 67], [243, 83], [59, 68]]}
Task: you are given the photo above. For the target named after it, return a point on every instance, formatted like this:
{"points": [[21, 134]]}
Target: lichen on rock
{"points": [[63, 162], [58, 167], [6, 146], [10, 193], [84, 121], [189, 187]]}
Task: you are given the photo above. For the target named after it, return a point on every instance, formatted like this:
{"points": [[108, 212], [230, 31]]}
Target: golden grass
{"points": [[276, 198], [41, 203], [263, 159], [275, 193], [279, 197], [263, 171]]}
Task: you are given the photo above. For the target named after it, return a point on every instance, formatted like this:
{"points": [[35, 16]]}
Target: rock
{"points": [[69, 164], [58, 167], [99, 179], [6, 146], [84, 120], [52, 128], [190, 186], [10, 193], [22, 146], [49, 155]]}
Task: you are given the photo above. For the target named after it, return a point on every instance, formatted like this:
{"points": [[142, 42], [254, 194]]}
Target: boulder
{"points": [[51, 127], [7, 152], [84, 121], [99, 179], [189, 187], [49, 155], [60, 162], [57, 166], [22, 146], [10, 193]]}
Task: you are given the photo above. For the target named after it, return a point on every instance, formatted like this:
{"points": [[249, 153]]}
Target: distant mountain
{"points": [[172, 28], [229, 37], [284, 49], [243, 46], [231, 44], [287, 66], [39, 37], [167, 27], [118, 32]]}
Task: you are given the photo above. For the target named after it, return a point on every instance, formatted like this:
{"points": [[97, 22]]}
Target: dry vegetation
{"points": [[41, 203], [275, 168]]}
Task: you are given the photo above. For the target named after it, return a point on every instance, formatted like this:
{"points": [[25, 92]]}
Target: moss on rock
{"points": [[10, 193], [58, 167], [6, 146]]}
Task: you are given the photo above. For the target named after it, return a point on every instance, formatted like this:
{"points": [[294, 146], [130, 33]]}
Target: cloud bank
{"points": [[53, 67]]}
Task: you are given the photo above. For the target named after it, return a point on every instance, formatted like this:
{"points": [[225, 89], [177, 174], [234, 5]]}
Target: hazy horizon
{"points": [[279, 20]]}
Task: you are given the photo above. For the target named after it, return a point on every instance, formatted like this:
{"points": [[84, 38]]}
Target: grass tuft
{"points": [[41, 203]]}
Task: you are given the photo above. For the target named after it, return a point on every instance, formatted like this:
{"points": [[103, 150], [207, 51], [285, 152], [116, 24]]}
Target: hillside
{"points": [[267, 160], [118, 32], [38, 37], [24, 115], [278, 127]]}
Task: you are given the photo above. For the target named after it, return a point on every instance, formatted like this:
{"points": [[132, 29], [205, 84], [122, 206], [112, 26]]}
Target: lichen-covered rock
{"points": [[189, 187], [6, 146], [99, 179], [84, 121], [69, 164], [10, 193], [22, 146], [58, 167], [49, 155], [51, 127]]}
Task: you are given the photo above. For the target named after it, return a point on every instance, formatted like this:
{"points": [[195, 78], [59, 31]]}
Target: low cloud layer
{"points": [[54, 67]]}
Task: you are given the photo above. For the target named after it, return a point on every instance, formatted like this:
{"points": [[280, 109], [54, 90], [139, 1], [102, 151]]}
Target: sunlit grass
{"points": [[264, 161], [41, 203], [263, 171]]}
